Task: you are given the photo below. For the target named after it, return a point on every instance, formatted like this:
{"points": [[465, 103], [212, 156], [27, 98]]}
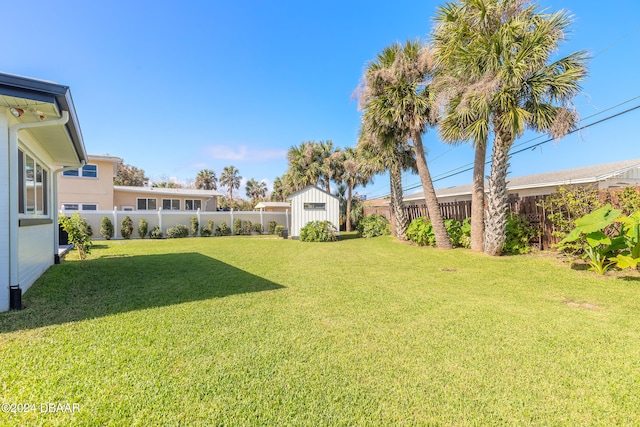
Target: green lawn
{"points": [[262, 331]]}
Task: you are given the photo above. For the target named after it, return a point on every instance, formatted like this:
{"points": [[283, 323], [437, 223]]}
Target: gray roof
{"points": [[25, 92], [168, 191], [583, 175], [305, 189]]}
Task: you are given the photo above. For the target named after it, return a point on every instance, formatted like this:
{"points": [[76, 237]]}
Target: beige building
{"points": [[90, 188]]}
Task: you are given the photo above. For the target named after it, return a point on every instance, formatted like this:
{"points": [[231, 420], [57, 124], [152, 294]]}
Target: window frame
{"points": [[90, 170], [146, 199], [193, 204], [171, 203], [39, 185]]}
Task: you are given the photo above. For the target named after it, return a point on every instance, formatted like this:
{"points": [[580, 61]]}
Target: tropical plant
{"points": [[143, 227], [494, 59], [318, 231], [629, 200], [396, 95], [519, 234], [279, 192], [255, 190], [374, 225], [352, 172], [76, 228], [311, 163], [206, 180], [106, 228], [230, 179], [126, 227]]}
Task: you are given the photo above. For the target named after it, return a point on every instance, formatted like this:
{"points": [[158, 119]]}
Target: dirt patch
{"points": [[583, 305]]}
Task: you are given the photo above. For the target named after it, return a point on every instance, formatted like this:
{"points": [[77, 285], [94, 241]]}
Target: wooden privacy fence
{"points": [[528, 207]]}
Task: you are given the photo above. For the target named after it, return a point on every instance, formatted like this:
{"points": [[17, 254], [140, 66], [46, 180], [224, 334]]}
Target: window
{"points": [[147, 204], [32, 186], [192, 205], [87, 171], [171, 204], [79, 207], [308, 206]]}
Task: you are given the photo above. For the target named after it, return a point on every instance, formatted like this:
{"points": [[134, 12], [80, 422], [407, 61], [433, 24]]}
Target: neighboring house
{"points": [[313, 204], [273, 206], [90, 188], [610, 175], [38, 130]]}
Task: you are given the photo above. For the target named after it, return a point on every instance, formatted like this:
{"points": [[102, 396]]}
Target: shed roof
{"points": [[272, 205], [307, 188], [38, 99]]}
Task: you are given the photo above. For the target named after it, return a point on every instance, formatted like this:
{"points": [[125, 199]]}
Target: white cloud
{"points": [[243, 153]]}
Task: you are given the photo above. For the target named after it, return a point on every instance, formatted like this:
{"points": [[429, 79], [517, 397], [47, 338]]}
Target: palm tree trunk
{"points": [[397, 205], [348, 213], [496, 220], [477, 199], [433, 207]]}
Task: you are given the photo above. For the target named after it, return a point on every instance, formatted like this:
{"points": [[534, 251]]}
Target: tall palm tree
{"points": [[383, 151], [230, 179], [206, 180], [352, 173], [499, 52], [279, 192], [395, 94], [311, 163]]}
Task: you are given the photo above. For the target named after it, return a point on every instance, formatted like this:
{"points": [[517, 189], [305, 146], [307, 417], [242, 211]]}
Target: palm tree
{"points": [[311, 163], [383, 151], [256, 190], [352, 173], [279, 193], [230, 179], [499, 52], [395, 95], [206, 180]]}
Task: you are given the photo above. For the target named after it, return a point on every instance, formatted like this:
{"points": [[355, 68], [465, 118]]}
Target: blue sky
{"points": [[174, 87]]}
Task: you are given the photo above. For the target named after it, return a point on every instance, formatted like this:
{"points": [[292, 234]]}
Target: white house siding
{"points": [[35, 253], [4, 212], [301, 216]]}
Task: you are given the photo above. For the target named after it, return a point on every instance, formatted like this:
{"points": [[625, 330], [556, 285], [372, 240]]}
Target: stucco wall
{"points": [[128, 198], [74, 189]]}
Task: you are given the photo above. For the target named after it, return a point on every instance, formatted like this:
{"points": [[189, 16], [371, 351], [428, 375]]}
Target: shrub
{"points": [[318, 231], [272, 227], [143, 227], [420, 232], [278, 230], [156, 233], [237, 226], [77, 229], [246, 227], [126, 227], [223, 229], [205, 232], [465, 233], [177, 232], [519, 235], [106, 228], [194, 225], [374, 225], [629, 200], [257, 227]]}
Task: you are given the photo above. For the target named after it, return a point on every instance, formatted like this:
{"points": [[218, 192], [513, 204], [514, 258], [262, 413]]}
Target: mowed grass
{"points": [[260, 331]]}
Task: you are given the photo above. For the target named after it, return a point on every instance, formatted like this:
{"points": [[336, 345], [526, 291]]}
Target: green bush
{"points": [[194, 225], [272, 227], [77, 230], [106, 228], [156, 233], [126, 227], [177, 232], [629, 200], [374, 225], [520, 233], [278, 230], [247, 227], [143, 228], [257, 227], [237, 227], [319, 231], [223, 229], [420, 232]]}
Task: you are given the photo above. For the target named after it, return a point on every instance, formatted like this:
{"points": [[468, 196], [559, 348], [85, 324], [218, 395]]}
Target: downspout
{"points": [[54, 179], [13, 188]]}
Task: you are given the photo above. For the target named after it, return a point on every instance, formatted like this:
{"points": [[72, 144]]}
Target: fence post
{"points": [[160, 219], [115, 222], [199, 224], [231, 225]]}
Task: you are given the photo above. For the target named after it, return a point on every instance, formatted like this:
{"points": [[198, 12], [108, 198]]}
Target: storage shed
{"points": [[313, 204]]}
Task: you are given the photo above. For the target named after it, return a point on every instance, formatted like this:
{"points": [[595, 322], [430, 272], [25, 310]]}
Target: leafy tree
{"points": [[230, 179], [77, 230], [106, 228], [352, 172], [128, 175], [497, 53], [143, 228], [206, 180]]}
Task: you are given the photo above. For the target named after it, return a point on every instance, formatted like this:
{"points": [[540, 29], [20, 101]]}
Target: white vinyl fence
{"points": [[167, 219]]}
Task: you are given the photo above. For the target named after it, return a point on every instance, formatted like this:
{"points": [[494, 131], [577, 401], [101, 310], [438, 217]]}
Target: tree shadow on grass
{"points": [[74, 291]]}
